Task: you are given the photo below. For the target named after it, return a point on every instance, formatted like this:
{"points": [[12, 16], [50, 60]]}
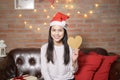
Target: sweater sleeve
{"points": [[44, 68]]}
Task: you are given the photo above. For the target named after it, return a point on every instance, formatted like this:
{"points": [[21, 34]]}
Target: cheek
{"points": [[62, 34], [52, 33]]}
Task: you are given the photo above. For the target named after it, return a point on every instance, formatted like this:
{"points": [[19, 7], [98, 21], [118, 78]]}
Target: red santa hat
{"points": [[59, 19]]}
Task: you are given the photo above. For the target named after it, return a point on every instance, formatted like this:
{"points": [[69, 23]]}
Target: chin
{"points": [[56, 40]]}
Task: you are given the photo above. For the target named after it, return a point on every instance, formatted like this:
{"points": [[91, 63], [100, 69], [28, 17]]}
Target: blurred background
{"points": [[97, 21]]}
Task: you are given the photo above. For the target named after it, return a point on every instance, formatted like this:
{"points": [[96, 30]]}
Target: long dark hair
{"points": [[50, 48]]}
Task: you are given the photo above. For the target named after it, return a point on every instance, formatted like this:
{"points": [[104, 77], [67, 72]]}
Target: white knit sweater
{"points": [[56, 71]]}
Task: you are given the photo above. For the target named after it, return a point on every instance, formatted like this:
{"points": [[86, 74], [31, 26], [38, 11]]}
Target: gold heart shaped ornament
{"points": [[75, 42]]}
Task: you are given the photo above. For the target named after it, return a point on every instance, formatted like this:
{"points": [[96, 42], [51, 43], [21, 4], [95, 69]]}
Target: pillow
{"points": [[88, 64], [103, 72]]}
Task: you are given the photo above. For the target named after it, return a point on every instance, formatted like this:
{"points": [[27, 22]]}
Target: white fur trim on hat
{"points": [[62, 23]]}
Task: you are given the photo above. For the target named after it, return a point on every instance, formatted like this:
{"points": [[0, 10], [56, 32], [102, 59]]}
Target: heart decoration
{"points": [[75, 42]]}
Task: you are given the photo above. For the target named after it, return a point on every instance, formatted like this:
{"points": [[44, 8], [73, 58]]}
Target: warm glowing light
{"points": [[85, 15], [91, 12], [68, 14], [45, 10], [45, 23], [66, 6], [52, 7], [96, 5], [30, 27], [35, 10], [70, 0], [20, 15], [57, 1], [38, 29], [71, 6], [78, 12], [48, 17], [25, 22]]}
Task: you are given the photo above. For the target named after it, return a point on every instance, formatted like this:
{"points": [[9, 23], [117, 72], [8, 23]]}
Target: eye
{"points": [[53, 30], [60, 30]]}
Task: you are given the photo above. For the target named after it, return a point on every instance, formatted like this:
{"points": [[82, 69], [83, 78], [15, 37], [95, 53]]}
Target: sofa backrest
{"points": [[27, 61], [98, 50]]}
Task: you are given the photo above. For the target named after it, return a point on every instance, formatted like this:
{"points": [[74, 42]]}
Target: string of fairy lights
{"points": [[68, 6]]}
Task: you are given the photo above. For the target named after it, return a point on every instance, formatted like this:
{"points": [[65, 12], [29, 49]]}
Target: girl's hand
{"points": [[75, 55]]}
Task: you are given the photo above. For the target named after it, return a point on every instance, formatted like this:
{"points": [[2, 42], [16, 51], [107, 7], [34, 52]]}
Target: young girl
{"points": [[58, 60]]}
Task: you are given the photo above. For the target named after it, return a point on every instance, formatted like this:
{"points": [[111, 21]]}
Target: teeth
{"points": [[56, 37]]}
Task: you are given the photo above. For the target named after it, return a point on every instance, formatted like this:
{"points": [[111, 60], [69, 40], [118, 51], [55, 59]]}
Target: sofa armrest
{"points": [[7, 68], [115, 69]]}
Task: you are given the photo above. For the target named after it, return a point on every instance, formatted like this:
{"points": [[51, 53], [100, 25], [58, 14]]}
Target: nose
{"points": [[56, 32]]}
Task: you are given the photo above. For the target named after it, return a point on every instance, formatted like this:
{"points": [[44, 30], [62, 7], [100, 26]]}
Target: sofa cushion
{"points": [[103, 71], [88, 64]]}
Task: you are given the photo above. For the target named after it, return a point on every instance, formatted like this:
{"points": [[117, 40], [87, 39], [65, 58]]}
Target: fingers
{"points": [[76, 51], [75, 54]]}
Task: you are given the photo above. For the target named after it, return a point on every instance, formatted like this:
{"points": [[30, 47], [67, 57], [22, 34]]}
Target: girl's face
{"points": [[57, 33]]}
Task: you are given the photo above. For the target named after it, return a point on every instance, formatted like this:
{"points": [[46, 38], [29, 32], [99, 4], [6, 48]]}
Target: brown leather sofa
{"points": [[22, 61]]}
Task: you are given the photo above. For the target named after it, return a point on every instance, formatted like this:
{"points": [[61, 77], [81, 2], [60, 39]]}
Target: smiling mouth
{"points": [[56, 38]]}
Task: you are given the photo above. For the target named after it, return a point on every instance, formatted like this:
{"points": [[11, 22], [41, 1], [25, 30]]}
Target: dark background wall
{"points": [[99, 29]]}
